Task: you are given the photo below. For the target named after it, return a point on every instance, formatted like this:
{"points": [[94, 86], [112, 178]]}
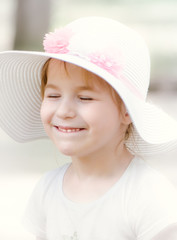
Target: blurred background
{"points": [[23, 24]]}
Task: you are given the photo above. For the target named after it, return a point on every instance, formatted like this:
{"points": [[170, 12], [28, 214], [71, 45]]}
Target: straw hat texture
{"points": [[103, 46]]}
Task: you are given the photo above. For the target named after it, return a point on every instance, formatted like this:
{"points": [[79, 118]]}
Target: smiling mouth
{"points": [[68, 129]]}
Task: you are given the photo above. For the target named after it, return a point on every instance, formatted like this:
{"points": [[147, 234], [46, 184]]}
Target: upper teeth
{"points": [[69, 129]]}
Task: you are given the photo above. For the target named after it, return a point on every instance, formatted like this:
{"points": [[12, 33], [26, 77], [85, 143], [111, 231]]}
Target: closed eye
{"points": [[53, 96], [86, 98]]}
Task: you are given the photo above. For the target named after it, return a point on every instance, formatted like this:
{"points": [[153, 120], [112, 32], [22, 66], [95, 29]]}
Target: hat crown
{"points": [[108, 44]]}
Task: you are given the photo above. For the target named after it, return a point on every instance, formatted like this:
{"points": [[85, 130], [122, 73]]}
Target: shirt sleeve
{"points": [[34, 219], [155, 207]]}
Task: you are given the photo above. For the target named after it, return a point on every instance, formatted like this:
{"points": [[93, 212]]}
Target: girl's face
{"points": [[81, 120]]}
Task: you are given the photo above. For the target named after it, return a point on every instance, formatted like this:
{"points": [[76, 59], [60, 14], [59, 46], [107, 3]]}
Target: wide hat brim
{"points": [[20, 101]]}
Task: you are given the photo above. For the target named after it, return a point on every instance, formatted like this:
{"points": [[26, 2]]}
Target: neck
{"points": [[104, 164]]}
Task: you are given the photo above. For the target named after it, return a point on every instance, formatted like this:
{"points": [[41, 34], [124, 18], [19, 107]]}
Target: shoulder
{"points": [[146, 179], [51, 175], [49, 181], [153, 201], [151, 192], [157, 190], [36, 211]]}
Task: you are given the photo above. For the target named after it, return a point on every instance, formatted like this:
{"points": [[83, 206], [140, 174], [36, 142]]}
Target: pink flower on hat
{"points": [[57, 41], [108, 62]]}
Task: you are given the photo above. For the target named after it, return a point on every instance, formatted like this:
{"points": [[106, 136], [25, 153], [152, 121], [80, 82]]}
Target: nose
{"points": [[66, 109]]}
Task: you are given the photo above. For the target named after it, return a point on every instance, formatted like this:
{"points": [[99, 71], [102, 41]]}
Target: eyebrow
{"points": [[80, 88], [51, 86]]}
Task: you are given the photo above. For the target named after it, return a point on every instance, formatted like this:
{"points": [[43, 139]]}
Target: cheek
{"points": [[111, 119], [46, 112], [90, 114], [103, 116]]}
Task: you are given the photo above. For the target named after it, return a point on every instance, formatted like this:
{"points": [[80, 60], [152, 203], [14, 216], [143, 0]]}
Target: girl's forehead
{"points": [[73, 72], [69, 69]]}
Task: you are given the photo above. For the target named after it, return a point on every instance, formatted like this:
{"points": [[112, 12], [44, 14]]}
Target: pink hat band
{"points": [[121, 53]]}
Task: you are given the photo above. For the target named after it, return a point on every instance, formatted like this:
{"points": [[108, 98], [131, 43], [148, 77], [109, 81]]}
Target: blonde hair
{"points": [[98, 80]]}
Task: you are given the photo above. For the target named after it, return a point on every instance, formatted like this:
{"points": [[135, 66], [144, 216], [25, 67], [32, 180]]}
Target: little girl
{"points": [[89, 89]]}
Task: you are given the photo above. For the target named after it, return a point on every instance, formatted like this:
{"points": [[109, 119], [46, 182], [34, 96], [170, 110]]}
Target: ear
{"points": [[125, 115], [127, 118]]}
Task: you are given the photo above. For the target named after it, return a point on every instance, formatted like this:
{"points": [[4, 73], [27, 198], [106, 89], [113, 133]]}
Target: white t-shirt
{"points": [[138, 206]]}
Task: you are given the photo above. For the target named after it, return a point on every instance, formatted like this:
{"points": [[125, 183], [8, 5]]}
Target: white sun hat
{"points": [[103, 46]]}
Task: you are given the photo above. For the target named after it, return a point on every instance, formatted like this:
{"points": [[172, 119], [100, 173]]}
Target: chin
{"points": [[66, 150], [67, 153]]}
